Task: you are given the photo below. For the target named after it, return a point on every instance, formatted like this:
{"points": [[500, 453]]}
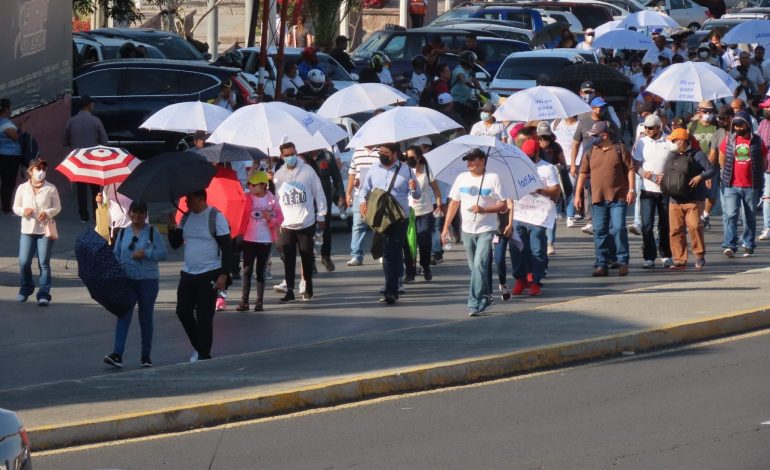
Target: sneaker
{"points": [[623, 270], [472, 312], [221, 304], [486, 305], [427, 274], [765, 235], [588, 228], [268, 276], [747, 252], [388, 299], [519, 286], [401, 290], [505, 293], [194, 357], [280, 288], [354, 262], [534, 289], [678, 267], [408, 279], [700, 263], [381, 260], [578, 217], [667, 262], [146, 361], [242, 306], [599, 271], [649, 264], [21, 298], [289, 297], [302, 286], [328, 264], [306, 297], [551, 250], [570, 222], [613, 265], [439, 258], [729, 252], [633, 228], [114, 360], [258, 307], [43, 302], [706, 222]]}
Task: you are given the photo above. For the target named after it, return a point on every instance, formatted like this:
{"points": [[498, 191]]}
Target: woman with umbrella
{"points": [[37, 202], [138, 247]]}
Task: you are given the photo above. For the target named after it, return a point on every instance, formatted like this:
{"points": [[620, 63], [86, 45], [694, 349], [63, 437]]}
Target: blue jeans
{"points": [[609, 219], [436, 242], [504, 244], [734, 199], [532, 258], [550, 233], [652, 203], [638, 204], [478, 248], [146, 291], [28, 246], [766, 203], [570, 203], [360, 229], [393, 256]]}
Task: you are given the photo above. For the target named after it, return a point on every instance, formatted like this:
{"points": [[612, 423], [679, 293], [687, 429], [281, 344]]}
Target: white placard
{"points": [[536, 210]]}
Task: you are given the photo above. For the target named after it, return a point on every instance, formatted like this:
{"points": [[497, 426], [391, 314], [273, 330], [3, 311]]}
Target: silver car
{"points": [[14, 443]]}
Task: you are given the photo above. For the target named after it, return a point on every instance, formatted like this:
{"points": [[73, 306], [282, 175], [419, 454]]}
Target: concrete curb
{"points": [[390, 382]]}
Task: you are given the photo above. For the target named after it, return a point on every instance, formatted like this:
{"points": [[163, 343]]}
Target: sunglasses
{"points": [[649, 128], [134, 241], [255, 184], [542, 137]]}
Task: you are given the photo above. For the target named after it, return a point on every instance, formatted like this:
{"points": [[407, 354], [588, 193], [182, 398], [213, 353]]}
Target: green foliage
{"points": [[118, 10], [326, 18]]}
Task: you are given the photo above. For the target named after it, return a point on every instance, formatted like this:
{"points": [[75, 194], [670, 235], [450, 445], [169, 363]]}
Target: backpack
{"points": [[212, 221], [123, 229], [676, 176]]}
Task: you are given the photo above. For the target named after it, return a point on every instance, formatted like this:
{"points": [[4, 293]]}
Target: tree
{"points": [[122, 11], [326, 18]]}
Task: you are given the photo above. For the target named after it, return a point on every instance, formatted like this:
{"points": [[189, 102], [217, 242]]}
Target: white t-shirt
{"points": [[258, 230], [419, 81], [653, 155], [201, 251], [497, 129], [385, 76], [362, 160], [471, 190], [549, 176], [424, 205], [564, 133]]}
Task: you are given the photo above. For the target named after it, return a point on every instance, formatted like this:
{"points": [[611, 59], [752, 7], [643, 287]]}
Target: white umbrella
{"points": [[622, 39], [518, 174], [540, 103], [401, 123], [359, 98], [605, 28], [266, 126], [692, 81], [750, 32], [648, 19], [187, 117]]}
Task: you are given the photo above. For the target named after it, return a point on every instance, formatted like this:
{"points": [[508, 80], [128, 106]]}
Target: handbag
{"points": [[50, 231], [382, 208]]}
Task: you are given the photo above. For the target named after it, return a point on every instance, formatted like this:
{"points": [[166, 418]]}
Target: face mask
{"points": [[38, 175], [412, 162], [672, 147], [596, 140], [290, 161], [484, 116], [706, 117], [385, 159], [743, 132], [588, 97]]}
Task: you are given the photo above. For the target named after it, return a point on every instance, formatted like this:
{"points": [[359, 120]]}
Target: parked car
{"points": [[94, 48], [172, 46], [499, 28], [128, 91], [14, 443], [590, 16], [565, 17], [618, 12], [529, 17], [724, 24], [522, 69], [331, 68], [686, 13]]}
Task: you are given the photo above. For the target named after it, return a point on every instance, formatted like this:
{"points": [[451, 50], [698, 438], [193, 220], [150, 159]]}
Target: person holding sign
{"points": [[533, 215], [480, 197]]}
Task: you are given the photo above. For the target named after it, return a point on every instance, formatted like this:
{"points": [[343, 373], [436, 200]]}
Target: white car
{"points": [[521, 70], [685, 12]]}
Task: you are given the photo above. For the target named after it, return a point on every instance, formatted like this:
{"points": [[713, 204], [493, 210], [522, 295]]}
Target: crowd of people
{"points": [[672, 162]]}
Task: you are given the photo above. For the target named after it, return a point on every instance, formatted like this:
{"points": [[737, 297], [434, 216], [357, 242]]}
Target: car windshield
{"points": [[456, 13], [529, 68], [174, 47], [370, 45], [724, 25]]}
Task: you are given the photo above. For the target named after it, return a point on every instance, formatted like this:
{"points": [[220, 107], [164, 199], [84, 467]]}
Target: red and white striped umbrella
{"points": [[98, 165]]}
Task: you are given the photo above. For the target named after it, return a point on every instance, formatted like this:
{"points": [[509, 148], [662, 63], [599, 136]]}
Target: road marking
{"points": [[766, 423]]}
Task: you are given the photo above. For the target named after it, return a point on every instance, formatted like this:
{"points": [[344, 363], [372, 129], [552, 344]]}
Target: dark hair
{"points": [[418, 153], [287, 145], [200, 193], [138, 207], [288, 65], [471, 36], [5, 105], [477, 153], [393, 147]]}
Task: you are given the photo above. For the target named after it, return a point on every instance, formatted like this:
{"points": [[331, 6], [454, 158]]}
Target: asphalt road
{"points": [[701, 407], [68, 339]]}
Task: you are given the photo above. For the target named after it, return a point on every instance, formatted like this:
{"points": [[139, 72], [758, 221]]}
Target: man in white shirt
{"points": [[650, 154], [479, 195], [363, 159], [750, 71], [298, 188], [588, 39]]}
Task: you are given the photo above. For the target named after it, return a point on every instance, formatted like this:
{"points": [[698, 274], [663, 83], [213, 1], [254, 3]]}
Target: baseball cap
{"points": [[599, 127], [765, 104], [589, 31], [645, 107], [258, 177], [444, 98], [679, 134], [544, 129], [488, 107], [530, 147], [35, 162], [587, 85], [652, 120], [598, 102]]}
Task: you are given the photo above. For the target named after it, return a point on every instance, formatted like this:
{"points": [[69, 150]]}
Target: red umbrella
{"points": [[98, 165], [226, 194]]}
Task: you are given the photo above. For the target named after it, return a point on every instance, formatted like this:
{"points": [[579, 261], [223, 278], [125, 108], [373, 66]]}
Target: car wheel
{"points": [[693, 27]]}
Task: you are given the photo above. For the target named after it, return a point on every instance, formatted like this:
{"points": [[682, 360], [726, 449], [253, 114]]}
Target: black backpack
{"points": [[676, 176]]}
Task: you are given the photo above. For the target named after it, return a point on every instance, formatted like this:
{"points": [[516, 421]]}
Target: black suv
{"points": [[128, 91], [171, 45]]}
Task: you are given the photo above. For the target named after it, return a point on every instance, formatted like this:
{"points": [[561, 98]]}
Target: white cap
{"points": [[652, 120], [444, 98]]}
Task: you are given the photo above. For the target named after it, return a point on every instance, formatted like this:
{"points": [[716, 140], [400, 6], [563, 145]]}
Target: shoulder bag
{"points": [[382, 209]]}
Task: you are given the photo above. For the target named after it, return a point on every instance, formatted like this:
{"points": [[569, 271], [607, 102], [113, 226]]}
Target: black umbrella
{"points": [[611, 84], [221, 153], [167, 177], [102, 274]]}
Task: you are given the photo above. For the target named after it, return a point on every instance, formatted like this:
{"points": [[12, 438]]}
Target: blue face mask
{"points": [[290, 161], [484, 116], [596, 140]]}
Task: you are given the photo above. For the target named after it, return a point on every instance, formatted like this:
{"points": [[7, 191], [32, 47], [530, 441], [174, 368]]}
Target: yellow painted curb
{"points": [[390, 382]]}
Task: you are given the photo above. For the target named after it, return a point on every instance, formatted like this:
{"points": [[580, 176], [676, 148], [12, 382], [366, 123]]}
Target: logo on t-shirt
{"points": [[742, 152], [293, 194], [474, 191]]}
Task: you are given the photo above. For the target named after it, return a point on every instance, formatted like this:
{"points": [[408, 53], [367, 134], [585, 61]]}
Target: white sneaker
{"points": [[194, 357], [551, 250], [667, 262], [649, 264], [354, 262], [302, 286], [570, 222], [578, 217], [382, 260], [43, 302], [765, 234], [588, 228], [635, 229], [280, 288]]}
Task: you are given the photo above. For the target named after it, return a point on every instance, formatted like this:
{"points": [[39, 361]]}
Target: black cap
{"points": [[587, 85]]}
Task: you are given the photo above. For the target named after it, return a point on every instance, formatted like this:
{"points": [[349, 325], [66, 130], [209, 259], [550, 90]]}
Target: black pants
{"points": [[9, 170], [417, 20], [326, 246], [254, 251], [195, 302], [424, 224], [651, 203], [82, 189], [289, 241]]}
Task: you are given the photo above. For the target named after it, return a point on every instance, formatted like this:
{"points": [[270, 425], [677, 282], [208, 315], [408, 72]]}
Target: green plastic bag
{"points": [[411, 235]]}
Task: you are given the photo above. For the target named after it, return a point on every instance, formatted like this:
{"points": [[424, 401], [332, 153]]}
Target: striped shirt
{"points": [[362, 160]]}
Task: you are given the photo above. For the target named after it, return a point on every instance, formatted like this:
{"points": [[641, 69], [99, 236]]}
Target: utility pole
{"points": [[248, 26], [403, 6], [213, 29], [344, 20]]}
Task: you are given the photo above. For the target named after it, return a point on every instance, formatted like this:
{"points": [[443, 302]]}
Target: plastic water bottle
{"points": [[318, 238], [447, 243], [438, 213], [343, 213]]}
